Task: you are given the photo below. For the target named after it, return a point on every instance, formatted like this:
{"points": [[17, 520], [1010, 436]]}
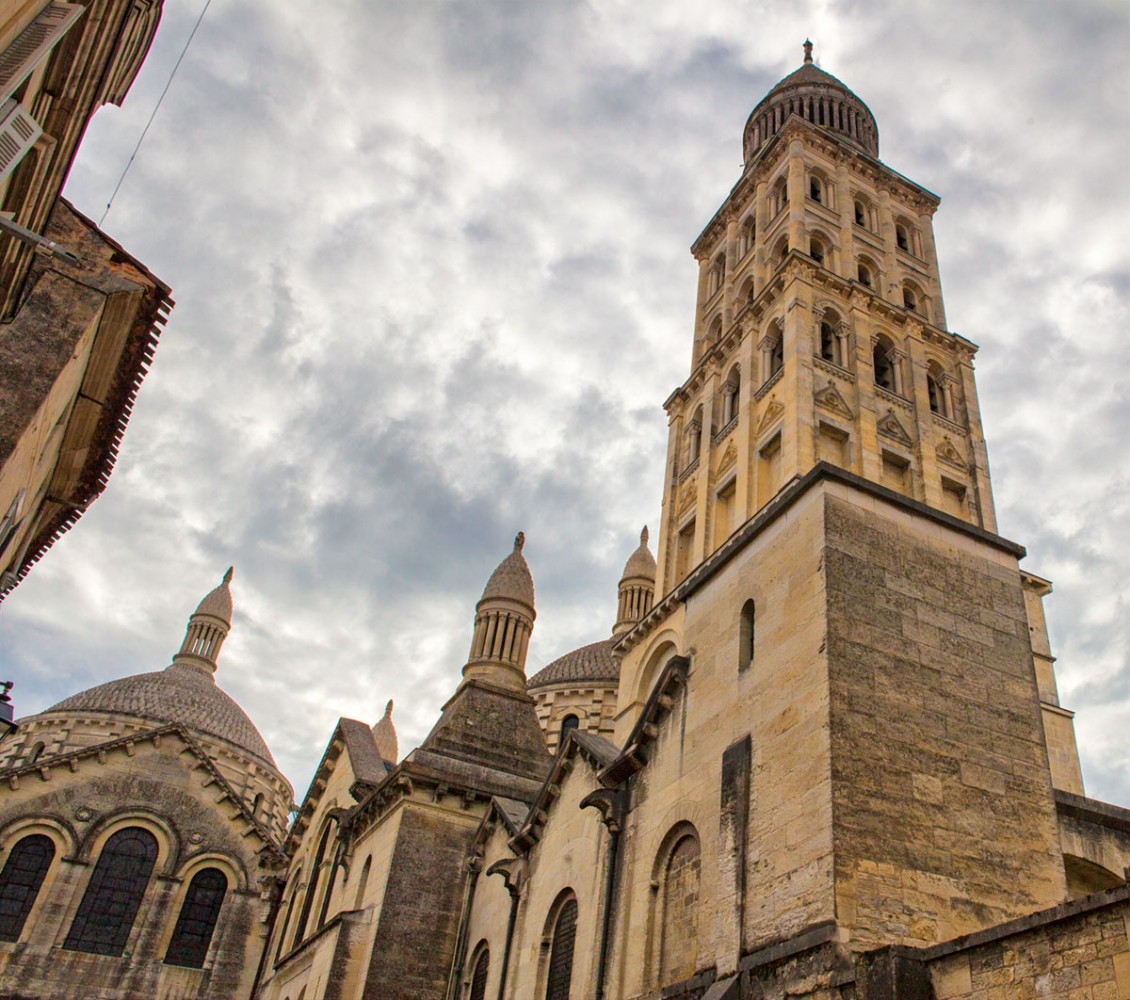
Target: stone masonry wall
{"points": [[943, 811]]}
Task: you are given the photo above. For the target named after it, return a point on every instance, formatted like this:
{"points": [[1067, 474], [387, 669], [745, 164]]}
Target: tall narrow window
{"points": [[312, 891], [860, 214], [362, 883], [479, 976], [569, 722], [828, 343], [815, 190], [747, 636], [679, 942], [197, 919], [901, 237], [884, 366], [777, 356], [20, 881], [864, 274], [816, 250], [109, 906], [560, 977]]}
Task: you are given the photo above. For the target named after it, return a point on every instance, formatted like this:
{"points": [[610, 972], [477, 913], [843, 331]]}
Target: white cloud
{"points": [[432, 281]]}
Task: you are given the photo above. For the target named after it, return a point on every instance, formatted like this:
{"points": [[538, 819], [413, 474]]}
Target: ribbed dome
{"points": [[818, 97], [217, 602], [641, 563], [177, 694], [593, 662], [511, 581]]}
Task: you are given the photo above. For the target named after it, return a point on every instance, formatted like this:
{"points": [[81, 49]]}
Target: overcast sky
{"points": [[432, 281]]}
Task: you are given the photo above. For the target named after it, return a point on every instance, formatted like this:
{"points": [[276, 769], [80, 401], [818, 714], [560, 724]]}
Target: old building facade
{"points": [[137, 822], [79, 316], [821, 753]]}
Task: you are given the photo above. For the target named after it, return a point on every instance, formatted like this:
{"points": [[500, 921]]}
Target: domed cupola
{"points": [[819, 98], [207, 628], [504, 619], [637, 587]]}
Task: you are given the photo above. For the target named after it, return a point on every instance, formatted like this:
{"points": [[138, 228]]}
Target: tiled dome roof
{"points": [[178, 694], [511, 580], [593, 662]]}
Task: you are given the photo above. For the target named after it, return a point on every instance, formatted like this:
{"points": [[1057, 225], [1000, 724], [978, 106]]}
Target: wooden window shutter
{"points": [[18, 133], [33, 43]]}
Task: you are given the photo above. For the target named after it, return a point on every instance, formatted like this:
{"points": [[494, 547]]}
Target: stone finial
{"points": [[384, 735], [519, 541], [228, 574], [807, 51], [644, 535]]}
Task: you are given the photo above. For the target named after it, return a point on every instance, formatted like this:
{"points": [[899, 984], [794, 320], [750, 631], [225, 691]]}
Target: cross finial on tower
{"points": [[807, 50]]}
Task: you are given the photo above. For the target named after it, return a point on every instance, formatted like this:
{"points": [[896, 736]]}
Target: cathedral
{"points": [[815, 751]]}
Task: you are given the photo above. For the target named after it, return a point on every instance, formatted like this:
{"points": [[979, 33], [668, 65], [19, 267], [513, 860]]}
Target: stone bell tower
{"points": [[820, 333], [866, 665]]}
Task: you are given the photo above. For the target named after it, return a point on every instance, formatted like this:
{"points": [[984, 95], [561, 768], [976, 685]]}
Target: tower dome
{"points": [[637, 587], [504, 620], [184, 692], [819, 98]]}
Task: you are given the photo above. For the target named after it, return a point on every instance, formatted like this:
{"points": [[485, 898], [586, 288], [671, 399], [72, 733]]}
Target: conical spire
{"points": [[504, 619], [637, 587], [207, 629], [384, 735]]}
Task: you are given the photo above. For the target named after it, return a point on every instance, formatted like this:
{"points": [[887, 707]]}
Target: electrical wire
{"points": [[156, 108]]}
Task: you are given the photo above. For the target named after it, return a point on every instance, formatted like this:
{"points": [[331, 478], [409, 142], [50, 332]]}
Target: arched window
{"points": [[747, 636], [109, 906], [678, 943], [717, 274], [860, 213], [747, 234], [559, 977], [780, 194], [909, 299], [694, 437], [777, 355], [731, 394], [781, 251], [20, 881], [479, 976], [865, 275], [883, 361], [36, 752], [902, 237], [312, 890], [257, 806], [828, 343], [362, 883], [293, 883], [816, 250], [815, 189], [197, 919], [569, 722], [937, 389]]}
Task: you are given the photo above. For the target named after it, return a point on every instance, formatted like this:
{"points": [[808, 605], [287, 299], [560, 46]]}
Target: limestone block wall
{"points": [[944, 816], [1080, 951], [595, 708]]}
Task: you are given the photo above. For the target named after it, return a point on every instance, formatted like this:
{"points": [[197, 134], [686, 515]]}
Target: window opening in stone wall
{"points": [[569, 722], [312, 890], [559, 979], [901, 238], [197, 919], [935, 394], [815, 190], [816, 250], [21, 880], [479, 976], [678, 946], [909, 299], [828, 343], [36, 752], [864, 274], [109, 906], [694, 438], [883, 365], [724, 512], [747, 636], [781, 252], [747, 236], [684, 549], [896, 473], [768, 470], [860, 214], [362, 883]]}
